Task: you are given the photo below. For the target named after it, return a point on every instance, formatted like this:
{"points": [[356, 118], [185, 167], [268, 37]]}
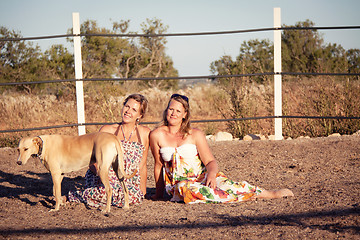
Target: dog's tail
{"points": [[120, 158]]}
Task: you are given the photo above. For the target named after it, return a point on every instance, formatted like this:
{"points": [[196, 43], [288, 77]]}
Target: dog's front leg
{"points": [[62, 177], [57, 178]]}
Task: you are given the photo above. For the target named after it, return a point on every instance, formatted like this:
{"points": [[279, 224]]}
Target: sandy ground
{"points": [[324, 174]]}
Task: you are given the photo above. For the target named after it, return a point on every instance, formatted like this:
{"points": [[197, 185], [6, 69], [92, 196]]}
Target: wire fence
{"points": [[178, 78], [193, 121], [132, 35], [181, 77]]}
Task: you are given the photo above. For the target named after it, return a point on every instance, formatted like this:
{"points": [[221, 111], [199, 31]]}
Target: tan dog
{"points": [[63, 154]]}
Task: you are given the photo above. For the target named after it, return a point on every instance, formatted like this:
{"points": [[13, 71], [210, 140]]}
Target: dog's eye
{"points": [[25, 149]]}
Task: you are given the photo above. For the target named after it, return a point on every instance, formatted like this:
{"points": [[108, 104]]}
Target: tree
{"points": [[106, 57], [333, 59], [20, 61], [101, 55], [353, 58], [148, 58], [255, 56], [60, 65], [301, 49]]}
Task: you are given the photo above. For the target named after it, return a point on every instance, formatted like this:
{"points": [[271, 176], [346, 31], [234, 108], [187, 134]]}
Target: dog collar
{"points": [[40, 148]]}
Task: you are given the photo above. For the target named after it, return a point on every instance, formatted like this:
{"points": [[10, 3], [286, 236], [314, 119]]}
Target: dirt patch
{"points": [[322, 172]]}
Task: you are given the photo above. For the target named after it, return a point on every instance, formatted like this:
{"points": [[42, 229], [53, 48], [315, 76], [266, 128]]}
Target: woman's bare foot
{"points": [[269, 194], [284, 193]]}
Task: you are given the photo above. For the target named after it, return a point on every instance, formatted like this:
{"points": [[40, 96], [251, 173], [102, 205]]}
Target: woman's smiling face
{"points": [[131, 111], [175, 113]]}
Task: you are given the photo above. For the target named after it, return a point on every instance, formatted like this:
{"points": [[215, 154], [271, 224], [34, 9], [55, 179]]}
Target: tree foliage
{"points": [[103, 57], [255, 56], [302, 51], [106, 57], [19, 61]]}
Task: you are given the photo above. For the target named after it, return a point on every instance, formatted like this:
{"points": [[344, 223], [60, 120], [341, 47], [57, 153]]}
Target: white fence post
{"points": [[78, 74], [277, 76]]}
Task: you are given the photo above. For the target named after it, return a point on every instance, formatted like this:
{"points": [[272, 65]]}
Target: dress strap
{"points": [[122, 130]]}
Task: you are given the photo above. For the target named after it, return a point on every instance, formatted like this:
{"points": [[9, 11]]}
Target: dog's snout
{"points": [[19, 162]]}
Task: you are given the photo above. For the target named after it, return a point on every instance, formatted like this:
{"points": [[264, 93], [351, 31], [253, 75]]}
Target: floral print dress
{"points": [[185, 177], [94, 192]]}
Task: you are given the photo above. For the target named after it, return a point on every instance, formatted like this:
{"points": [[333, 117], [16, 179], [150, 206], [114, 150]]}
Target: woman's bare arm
{"points": [[206, 157], [158, 166]]}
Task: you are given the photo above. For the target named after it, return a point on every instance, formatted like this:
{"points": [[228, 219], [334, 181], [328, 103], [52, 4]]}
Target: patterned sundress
{"points": [[185, 177], [94, 192]]}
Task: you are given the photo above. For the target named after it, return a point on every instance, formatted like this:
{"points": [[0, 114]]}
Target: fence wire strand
{"points": [[178, 78], [178, 34], [193, 121]]}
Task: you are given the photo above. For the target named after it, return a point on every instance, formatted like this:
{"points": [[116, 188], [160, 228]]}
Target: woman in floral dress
{"points": [[186, 168], [135, 141]]}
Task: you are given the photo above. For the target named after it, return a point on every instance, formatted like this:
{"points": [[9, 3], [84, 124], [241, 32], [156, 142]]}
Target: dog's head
{"points": [[28, 146]]}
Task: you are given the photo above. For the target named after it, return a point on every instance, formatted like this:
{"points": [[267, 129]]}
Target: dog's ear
{"points": [[37, 141]]}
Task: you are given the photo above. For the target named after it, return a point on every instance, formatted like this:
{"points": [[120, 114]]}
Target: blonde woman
{"points": [[186, 168]]}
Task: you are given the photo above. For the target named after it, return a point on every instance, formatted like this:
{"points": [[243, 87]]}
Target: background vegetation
{"points": [[36, 105]]}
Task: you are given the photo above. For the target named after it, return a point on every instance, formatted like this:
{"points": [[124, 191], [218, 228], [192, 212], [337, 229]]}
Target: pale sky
{"points": [[191, 55]]}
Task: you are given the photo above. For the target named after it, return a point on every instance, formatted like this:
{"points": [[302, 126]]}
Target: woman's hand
{"points": [[212, 169], [211, 180]]}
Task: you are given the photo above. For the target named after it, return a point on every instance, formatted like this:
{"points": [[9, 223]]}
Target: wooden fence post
{"points": [[277, 76], [78, 74]]}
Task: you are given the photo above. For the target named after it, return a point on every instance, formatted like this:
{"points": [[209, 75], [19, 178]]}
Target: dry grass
{"points": [[20, 111], [312, 97], [321, 97]]}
